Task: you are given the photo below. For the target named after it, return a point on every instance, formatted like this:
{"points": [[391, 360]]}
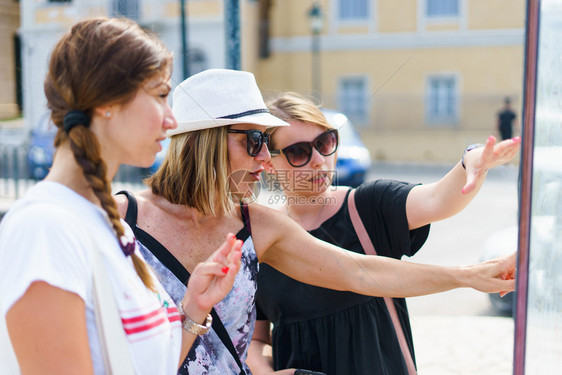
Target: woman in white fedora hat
{"points": [[76, 297], [220, 146]]}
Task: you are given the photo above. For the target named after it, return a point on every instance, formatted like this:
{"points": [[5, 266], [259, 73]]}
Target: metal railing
{"points": [[17, 174]]}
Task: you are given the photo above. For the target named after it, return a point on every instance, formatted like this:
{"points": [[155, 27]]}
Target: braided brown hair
{"points": [[98, 62]]}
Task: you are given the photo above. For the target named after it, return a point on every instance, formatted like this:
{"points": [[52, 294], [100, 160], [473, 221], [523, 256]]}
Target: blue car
{"points": [[354, 159], [41, 148], [41, 151], [160, 156]]}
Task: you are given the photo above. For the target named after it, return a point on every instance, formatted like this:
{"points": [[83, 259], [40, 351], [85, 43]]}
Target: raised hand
{"points": [[479, 160], [494, 276]]}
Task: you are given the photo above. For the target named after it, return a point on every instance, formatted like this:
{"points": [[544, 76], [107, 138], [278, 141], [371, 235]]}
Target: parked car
{"points": [[160, 156], [503, 242], [545, 259], [354, 159], [41, 151], [41, 148]]}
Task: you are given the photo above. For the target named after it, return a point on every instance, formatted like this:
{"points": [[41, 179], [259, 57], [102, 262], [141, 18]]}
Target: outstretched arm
{"points": [[448, 196], [209, 283], [283, 244]]}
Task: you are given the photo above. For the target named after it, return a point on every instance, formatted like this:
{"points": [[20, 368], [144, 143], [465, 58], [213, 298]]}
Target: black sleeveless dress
{"points": [[343, 333]]}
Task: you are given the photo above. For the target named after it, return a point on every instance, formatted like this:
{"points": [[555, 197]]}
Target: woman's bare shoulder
{"points": [[268, 227], [260, 212], [123, 202]]}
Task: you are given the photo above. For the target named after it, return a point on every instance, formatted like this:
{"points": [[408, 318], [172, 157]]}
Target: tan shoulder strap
{"points": [[113, 340], [370, 250]]}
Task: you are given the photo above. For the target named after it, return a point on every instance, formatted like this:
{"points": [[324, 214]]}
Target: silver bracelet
{"points": [[471, 147], [192, 327]]}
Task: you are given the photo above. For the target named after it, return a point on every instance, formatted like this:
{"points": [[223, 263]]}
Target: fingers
{"points": [[220, 269], [479, 164], [504, 151], [511, 260], [212, 269], [510, 274], [221, 254], [512, 143], [290, 371], [234, 258], [225, 258], [510, 287], [489, 146], [487, 155], [507, 266], [470, 184], [496, 285], [491, 155], [494, 276]]}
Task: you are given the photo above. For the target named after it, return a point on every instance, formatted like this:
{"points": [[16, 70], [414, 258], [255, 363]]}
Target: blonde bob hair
{"points": [[293, 106], [195, 172]]}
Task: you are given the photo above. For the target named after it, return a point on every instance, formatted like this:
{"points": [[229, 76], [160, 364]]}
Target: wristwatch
{"points": [[466, 150], [192, 327]]}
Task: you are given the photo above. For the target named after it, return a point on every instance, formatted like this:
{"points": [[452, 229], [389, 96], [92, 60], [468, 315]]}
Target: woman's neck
{"points": [[181, 212], [65, 170], [310, 211]]}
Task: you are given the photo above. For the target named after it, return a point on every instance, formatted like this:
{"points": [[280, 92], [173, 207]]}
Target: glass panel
{"points": [[441, 101], [125, 8], [544, 299], [440, 8], [352, 97], [353, 9]]}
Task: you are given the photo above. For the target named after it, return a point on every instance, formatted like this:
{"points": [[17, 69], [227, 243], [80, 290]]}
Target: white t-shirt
{"points": [[47, 236]]}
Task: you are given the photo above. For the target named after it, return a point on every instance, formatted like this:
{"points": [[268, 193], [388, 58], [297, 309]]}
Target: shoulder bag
{"points": [[113, 342]]}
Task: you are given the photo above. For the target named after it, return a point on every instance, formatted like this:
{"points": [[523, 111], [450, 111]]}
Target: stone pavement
{"points": [[463, 345]]}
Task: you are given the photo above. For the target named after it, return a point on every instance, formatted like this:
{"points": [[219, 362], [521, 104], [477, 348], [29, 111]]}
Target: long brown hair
{"points": [[98, 62]]}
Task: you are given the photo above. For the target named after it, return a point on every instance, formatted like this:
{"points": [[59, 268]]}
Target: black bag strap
{"points": [[179, 271], [226, 340], [246, 217], [132, 209]]}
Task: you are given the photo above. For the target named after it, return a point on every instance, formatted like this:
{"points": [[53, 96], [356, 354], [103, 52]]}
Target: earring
{"points": [[107, 114]]}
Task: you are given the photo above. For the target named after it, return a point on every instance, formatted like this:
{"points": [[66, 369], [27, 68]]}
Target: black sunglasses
{"points": [[254, 140], [299, 154]]}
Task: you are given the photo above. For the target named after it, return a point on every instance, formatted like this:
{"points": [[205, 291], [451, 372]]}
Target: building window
{"points": [[441, 101], [442, 8], [353, 10], [353, 98], [125, 8]]}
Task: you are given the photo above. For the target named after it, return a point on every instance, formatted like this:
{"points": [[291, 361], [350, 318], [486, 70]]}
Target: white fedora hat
{"points": [[219, 97]]}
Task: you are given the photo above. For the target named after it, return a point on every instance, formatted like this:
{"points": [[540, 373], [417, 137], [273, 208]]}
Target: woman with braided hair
{"points": [[107, 88]]}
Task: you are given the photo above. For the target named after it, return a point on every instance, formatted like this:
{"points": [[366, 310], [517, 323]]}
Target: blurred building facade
{"points": [[44, 21], [421, 79], [10, 98]]}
